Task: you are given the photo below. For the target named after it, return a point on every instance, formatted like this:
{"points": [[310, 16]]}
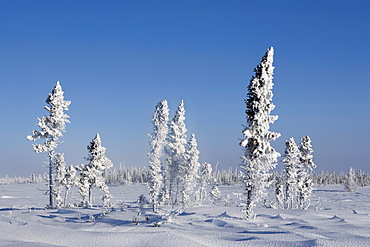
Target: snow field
{"points": [[335, 218]]}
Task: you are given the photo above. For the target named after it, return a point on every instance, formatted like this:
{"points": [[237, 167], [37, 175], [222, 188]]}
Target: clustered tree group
{"points": [[297, 175], [84, 176], [52, 127], [174, 168], [175, 176], [293, 189], [175, 173]]}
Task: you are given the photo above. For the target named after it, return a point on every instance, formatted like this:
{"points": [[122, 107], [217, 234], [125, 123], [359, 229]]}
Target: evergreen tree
{"points": [[164, 194], [291, 162], [259, 157], [92, 174], [157, 144], [176, 155], [362, 179], [85, 177], [51, 129], [191, 170], [306, 154], [70, 180], [215, 194], [350, 183], [306, 166], [279, 192], [204, 178]]}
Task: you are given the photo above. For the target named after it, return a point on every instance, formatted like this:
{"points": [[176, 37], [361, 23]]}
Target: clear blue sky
{"points": [[117, 59]]}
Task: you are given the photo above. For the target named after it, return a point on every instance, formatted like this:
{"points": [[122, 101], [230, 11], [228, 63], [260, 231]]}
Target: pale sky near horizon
{"points": [[117, 59]]}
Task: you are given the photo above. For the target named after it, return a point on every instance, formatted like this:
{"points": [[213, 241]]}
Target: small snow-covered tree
{"points": [[291, 161], [279, 192], [191, 170], [176, 155], [215, 194], [350, 183], [306, 150], [259, 157], [51, 129], [305, 171], [60, 173], [70, 180], [362, 178], [92, 174], [204, 178], [164, 194], [84, 184], [157, 144]]}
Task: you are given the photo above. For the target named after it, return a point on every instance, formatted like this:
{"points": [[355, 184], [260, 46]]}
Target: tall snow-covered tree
{"points": [[291, 162], [305, 171], [191, 170], [259, 157], [51, 129], [350, 182], [155, 155], [176, 155], [92, 174]]}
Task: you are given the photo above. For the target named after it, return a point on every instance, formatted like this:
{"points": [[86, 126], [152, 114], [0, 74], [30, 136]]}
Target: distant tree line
{"points": [[225, 177]]}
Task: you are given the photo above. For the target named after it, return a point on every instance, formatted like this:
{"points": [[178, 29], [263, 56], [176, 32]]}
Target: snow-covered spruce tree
{"points": [[215, 194], [259, 157], [291, 162], [157, 143], [51, 129], [305, 172], [65, 178], [350, 183], [83, 182], [70, 180], [279, 192], [175, 150], [204, 178], [191, 170], [60, 173], [92, 174], [306, 153], [164, 194], [362, 178]]}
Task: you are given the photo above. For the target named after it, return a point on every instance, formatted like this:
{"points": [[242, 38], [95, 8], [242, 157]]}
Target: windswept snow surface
{"points": [[335, 218]]}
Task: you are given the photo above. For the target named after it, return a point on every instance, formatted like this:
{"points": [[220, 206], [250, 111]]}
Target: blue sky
{"points": [[117, 59]]}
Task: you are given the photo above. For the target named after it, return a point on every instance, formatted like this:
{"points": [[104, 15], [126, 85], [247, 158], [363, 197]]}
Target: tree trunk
{"points": [[177, 191], [170, 194], [248, 211], [154, 205], [90, 197], [66, 196], [51, 184]]}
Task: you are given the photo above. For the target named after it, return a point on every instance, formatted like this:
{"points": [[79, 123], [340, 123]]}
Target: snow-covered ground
{"points": [[335, 218]]}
